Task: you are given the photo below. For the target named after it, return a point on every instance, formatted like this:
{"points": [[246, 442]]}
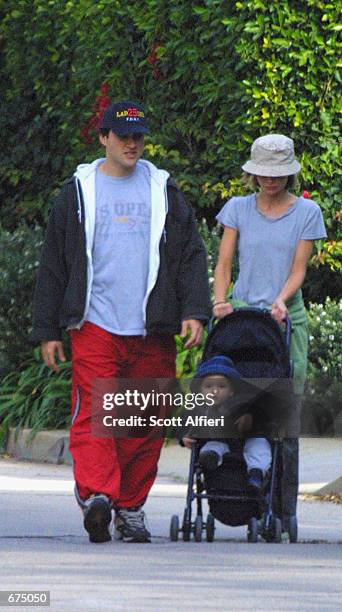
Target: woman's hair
{"points": [[251, 181], [104, 131]]}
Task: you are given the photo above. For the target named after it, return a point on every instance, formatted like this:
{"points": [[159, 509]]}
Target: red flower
{"points": [[85, 135], [104, 88], [93, 122], [306, 194], [157, 74], [152, 59], [104, 103]]}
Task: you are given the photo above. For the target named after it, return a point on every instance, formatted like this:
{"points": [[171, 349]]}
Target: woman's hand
{"points": [[279, 310], [294, 281], [222, 309], [188, 442], [244, 423]]}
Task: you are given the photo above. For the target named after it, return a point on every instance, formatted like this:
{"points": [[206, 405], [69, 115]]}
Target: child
{"points": [[218, 377]]}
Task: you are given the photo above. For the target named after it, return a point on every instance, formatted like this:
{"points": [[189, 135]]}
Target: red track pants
{"points": [[123, 469]]}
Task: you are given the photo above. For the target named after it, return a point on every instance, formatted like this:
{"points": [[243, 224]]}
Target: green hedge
{"points": [[323, 401], [36, 398], [213, 74], [19, 260]]}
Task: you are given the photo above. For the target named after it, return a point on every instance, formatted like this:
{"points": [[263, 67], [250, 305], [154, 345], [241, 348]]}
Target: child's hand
{"points": [[188, 442], [244, 423]]}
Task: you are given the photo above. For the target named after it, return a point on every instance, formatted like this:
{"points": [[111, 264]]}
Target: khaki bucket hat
{"points": [[272, 155]]}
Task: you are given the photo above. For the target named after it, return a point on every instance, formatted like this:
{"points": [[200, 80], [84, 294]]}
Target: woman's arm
{"points": [[223, 272], [294, 281]]}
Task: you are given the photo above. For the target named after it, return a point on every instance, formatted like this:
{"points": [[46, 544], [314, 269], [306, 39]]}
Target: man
{"points": [[123, 269]]}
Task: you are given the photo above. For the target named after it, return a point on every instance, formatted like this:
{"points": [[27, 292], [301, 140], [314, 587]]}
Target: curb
{"points": [[46, 447], [332, 488]]}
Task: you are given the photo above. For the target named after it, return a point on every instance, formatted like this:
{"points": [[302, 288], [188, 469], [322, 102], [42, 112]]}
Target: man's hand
{"points": [[244, 423], [188, 442], [49, 349], [222, 309], [195, 328], [279, 310]]}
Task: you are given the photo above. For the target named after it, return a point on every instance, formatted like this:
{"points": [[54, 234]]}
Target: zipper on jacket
{"points": [[88, 255], [79, 206], [149, 291]]}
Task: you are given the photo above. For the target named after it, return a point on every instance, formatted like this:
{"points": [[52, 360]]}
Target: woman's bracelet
{"points": [[216, 303]]}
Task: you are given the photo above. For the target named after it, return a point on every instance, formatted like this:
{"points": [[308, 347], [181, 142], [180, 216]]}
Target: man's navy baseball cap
{"points": [[125, 118]]}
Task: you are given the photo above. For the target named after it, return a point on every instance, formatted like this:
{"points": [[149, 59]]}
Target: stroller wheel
{"points": [[174, 528], [277, 528], [252, 531], [186, 527], [198, 528], [210, 528], [293, 529]]}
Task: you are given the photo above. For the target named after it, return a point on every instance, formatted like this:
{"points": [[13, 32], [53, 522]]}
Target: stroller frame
{"points": [[269, 527]]}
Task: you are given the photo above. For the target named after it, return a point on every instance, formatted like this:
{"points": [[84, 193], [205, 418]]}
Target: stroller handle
{"points": [[287, 321]]}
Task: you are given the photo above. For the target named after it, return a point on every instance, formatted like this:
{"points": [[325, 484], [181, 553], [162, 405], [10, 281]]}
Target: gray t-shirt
{"points": [[121, 251], [266, 246]]}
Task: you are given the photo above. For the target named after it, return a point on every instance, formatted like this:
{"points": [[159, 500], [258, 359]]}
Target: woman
{"points": [[273, 231]]}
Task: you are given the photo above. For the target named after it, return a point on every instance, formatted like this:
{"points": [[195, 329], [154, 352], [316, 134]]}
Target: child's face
{"points": [[219, 387]]}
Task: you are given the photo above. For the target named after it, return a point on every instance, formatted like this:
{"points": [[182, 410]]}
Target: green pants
{"points": [[289, 448]]}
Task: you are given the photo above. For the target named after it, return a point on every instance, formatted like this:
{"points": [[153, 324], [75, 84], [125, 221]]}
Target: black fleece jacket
{"points": [[181, 290]]}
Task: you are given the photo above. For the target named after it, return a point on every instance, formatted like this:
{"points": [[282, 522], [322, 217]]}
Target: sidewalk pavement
{"points": [[38, 502], [320, 463], [43, 546], [320, 458]]}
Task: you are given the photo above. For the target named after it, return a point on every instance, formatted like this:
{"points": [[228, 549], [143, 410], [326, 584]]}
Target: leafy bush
{"points": [[36, 398], [321, 281], [214, 75], [19, 259], [323, 400], [325, 325], [54, 57], [211, 238]]}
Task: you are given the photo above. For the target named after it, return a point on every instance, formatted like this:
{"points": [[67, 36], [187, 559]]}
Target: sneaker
{"points": [[97, 518], [130, 525], [117, 527], [209, 460], [255, 481]]}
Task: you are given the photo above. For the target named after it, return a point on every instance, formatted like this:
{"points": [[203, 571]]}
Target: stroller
{"points": [[260, 352]]}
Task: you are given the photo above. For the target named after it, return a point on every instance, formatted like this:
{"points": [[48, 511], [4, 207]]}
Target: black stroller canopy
{"points": [[254, 342]]}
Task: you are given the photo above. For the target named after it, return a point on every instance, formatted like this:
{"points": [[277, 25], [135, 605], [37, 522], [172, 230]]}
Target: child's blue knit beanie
{"points": [[219, 365]]}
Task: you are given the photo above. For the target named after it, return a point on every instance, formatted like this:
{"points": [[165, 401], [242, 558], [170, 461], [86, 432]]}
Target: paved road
{"points": [[43, 546]]}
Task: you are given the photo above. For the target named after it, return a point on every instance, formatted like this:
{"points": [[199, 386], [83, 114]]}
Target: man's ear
{"points": [[103, 139]]}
